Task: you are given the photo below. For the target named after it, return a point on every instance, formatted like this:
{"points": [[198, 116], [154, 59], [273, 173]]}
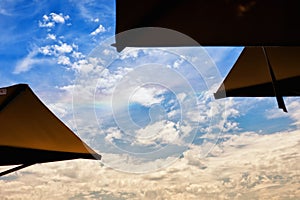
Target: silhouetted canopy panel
{"points": [[212, 22], [263, 72], [30, 133]]}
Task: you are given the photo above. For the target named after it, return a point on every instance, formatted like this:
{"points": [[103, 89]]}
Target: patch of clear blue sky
{"points": [[20, 31]]}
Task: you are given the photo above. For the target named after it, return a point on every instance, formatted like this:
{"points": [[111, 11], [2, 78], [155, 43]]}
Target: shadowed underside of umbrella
{"points": [[269, 68], [30, 133], [264, 72], [210, 23]]}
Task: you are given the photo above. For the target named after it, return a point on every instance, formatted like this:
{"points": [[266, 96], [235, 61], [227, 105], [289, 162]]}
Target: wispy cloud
{"points": [[293, 107], [60, 52], [29, 62], [86, 13], [4, 12]]}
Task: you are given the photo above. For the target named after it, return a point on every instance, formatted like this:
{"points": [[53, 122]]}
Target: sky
{"points": [[150, 113]]}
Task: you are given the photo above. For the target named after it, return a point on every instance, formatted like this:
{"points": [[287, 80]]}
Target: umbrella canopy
{"points": [[264, 72], [210, 23], [268, 70], [30, 133]]}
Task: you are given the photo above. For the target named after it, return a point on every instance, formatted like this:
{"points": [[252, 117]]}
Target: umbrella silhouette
{"points": [[211, 23], [264, 72], [270, 27], [30, 133]]}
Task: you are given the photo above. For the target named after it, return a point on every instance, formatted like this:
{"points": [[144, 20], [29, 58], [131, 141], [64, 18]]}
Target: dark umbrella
{"points": [[211, 22], [270, 26], [264, 72], [30, 133]]}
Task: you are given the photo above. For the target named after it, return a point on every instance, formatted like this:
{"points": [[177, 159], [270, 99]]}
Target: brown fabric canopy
{"points": [[30, 133], [264, 72], [211, 22]]}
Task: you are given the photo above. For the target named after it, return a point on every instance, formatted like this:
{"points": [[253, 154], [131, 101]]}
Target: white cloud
{"points": [[77, 55], [95, 20], [59, 18], [178, 63], [98, 30], [62, 48], [28, 62], [51, 36], [293, 106], [158, 132], [87, 67], [64, 60], [45, 18], [56, 50], [46, 50], [46, 23], [107, 80], [59, 109], [112, 133], [293, 110], [147, 96], [50, 20], [62, 52], [116, 87], [246, 167]]}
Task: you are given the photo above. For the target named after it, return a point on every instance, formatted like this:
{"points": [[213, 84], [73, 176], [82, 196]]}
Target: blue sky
{"points": [[149, 112]]}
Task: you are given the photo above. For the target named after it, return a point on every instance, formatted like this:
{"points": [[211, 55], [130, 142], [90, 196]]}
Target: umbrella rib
{"points": [[15, 169], [279, 98]]}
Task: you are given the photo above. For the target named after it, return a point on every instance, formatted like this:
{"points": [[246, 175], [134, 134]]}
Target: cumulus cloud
{"points": [[59, 18], [243, 167], [46, 50], [98, 88], [51, 36], [108, 80], [63, 60], [148, 96], [159, 132], [62, 48], [56, 49], [63, 52], [177, 63], [98, 30], [49, 21], [112, 133]]}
